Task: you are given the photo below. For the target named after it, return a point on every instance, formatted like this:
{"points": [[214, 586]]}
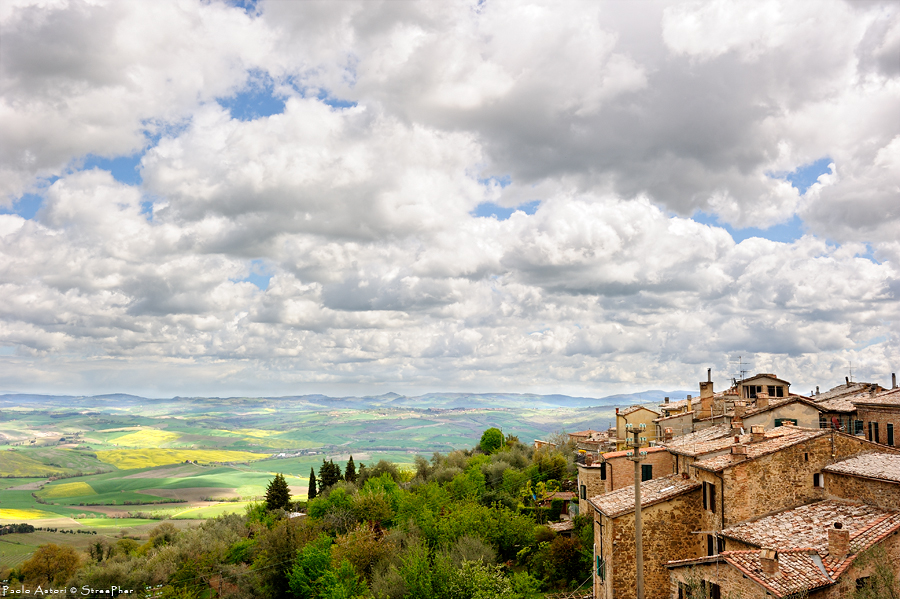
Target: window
{"points": [[709, 497], [646, 472], [877, 440], [890, 433], [710, 540], [870, 432], [601, 568], [781, 421], [779, 392], [602, 470], [584, 493], [819, 480], [805, 459], [857, 427], [714, 591]]}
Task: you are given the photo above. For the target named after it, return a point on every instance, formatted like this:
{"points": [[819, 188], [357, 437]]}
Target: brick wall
{"points": [[873, 492], [667, 528]]}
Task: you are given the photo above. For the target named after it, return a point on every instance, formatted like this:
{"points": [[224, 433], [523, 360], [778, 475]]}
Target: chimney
{"points": [[838, 542], [847, 380], [873, 390], [817, 389], [706, 399], [893, 380], [739, 407], [690, 407], [588, 459], [768, 559], [762, 400], [709, 375], [617, 410], [666, 400], [758, 433], [739, 450], [667, 434], [737, 421]]}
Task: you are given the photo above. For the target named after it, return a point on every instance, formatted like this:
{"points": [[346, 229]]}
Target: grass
{"points": [[146, 438], [128, 459], [64, 490], [211, 511]]}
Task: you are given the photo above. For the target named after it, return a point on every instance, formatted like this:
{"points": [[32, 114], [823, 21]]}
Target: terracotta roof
{"points": [[841, 391], [620, 502], [586, 433], [680, 403], [563, 526], [702, 441], [678, 415], [760, 375], [562, 495], [890, 398], [882, 466], [625, 452], [807, 526], [800, 536], [837, 404], [632, 409], [776, 439]]}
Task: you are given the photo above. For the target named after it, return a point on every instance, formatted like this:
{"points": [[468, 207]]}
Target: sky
{"points": [[273, 198]]}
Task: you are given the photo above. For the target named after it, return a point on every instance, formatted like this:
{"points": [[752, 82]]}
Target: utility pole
{"points": [[637, 456]]}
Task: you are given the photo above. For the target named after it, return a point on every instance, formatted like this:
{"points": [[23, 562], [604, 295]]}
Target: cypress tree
{"points": [[312, 483], [278, 495], [350, 472], [329, 474]]}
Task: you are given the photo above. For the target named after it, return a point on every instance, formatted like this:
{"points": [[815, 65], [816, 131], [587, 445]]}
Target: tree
{"points": [[312, 484], [278, 495], [491, 440], [350, 472], [329, 474], [51, 564]]}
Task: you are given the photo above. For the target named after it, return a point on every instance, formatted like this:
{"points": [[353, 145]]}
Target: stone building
{"points": [[811, 550], [614, 470], [873, 478], [670, 508], [879, 414], [720, 480]]}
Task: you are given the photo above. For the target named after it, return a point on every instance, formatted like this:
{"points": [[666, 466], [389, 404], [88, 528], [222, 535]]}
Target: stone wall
{"points": [[589, 476], [729, 578], [667, 528], [805, 415], [620, 470], [883, 416], [873, 492]]}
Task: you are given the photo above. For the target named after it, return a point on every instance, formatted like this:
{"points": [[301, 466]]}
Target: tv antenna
{"points": [[850, 367], [742, 372]]}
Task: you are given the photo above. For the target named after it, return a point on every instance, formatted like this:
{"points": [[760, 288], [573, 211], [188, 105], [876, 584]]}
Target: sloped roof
{"points": [[780, 402], [620, 502], [776, 439], [700, 442], [620, 454], [842, 391], [837, 404], [633, 409], [800, 536], [881, 466], [587, 433], [889, 398], [760, 375]]}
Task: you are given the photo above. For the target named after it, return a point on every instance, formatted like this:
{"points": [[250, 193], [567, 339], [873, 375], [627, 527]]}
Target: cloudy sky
{"points": [[354, 197]]}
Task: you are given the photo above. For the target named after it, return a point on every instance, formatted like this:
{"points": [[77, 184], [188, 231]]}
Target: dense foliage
{"points": [[463, 525]]}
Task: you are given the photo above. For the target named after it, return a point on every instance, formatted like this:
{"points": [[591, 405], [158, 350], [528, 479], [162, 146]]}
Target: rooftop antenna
{"points": [[742, 372], [851, 371]]}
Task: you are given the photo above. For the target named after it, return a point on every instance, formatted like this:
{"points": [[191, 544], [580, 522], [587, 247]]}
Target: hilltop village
{"points": [[752, 492]]}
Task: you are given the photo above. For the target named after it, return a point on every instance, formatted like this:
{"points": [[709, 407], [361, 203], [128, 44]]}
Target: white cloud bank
{"points": [[622, 125]]}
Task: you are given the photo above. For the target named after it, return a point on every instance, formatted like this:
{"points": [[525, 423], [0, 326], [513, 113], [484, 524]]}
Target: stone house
{"points": [[880, 416], [614, 470], [810, 550], [770, 384], [670, 508], [728, 474], [873, 478]]}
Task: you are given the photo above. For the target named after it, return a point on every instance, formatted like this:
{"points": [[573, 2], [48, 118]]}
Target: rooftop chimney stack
{"points": [[847, 380], [690, 407], [817, 390], [768, 559], [709, 375], [706, 399], [666, 400], [838, 541], [873, 390], [758, 433], [893, 380], [667, 434], [739, 450], [617, 410], [762, 400]]}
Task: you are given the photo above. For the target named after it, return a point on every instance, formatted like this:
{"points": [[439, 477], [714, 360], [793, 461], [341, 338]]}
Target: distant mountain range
{"points": [[436, 401]]}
